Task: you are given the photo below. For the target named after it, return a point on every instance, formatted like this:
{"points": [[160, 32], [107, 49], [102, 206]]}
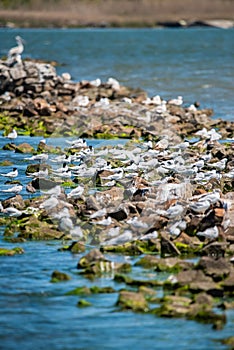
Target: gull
{"points": [[212, 232], [200, 206], [135, 222], [161, 108], [104, 101], [220, 165], [54, 191], [80, 101], [203, 133], [76, 192], [98, 214], [192, 108], [174, 211], [97, 82], [156, 100], [76, 233], [13, 173], [230, 174], [15, 189], [12, 135], [126, 100], [115, 85], [104, 222], [214, 135], [49, 203], [151, 235], [14, 54], [211, 197], [126, 236], [176, 101], [65, 224], [162, 144], [116, 176]]}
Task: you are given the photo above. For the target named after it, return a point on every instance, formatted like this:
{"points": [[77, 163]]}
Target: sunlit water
{"points": [[196, 63], [35, 313]]}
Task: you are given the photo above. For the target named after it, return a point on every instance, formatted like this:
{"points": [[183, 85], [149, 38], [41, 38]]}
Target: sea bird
{"points": [[14, 189], [11, 174], [14, 54], [12, 135]]}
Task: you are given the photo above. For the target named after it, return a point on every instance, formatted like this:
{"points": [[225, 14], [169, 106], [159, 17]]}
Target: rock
{"points": [[132, 301], [214, 250], [15, 201], [167, 264], [58, 276], [228, 284], [33, 228], [119, 215], [168, 247], [218, 269], [93, 256], [83, 303], [11, 252], [24, 148], [43, 183]]}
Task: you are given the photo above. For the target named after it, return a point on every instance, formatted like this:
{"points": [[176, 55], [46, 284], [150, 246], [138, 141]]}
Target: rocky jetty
{"points": [[36, 101], [165, 196]]}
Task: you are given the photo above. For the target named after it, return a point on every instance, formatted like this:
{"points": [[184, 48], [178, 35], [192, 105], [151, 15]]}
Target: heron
{"points": [[14, 54]]}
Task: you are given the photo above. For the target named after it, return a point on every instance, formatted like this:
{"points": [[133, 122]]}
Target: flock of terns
{"points": [[160, 164]]}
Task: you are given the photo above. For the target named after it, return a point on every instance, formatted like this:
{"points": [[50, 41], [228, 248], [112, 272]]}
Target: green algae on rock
{"points": [[58, 276], [134, 301], [11, 252]]}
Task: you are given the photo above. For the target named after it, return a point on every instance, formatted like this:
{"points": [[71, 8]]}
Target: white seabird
{"points": [[14, 189], [12, 135], [13, 173], [76, 192], [14, 54]]}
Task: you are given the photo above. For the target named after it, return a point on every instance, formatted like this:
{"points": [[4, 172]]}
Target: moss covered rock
{"points": [[134, 301]]}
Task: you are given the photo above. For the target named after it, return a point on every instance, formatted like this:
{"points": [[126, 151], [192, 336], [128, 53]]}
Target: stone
{"points": [[168, 247], [134, 301], [24, 148], [218, 269], [58, 276]]}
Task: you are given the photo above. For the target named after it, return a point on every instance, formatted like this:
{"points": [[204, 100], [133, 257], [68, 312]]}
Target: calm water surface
{"points": [[197, 63], [35, 314]]}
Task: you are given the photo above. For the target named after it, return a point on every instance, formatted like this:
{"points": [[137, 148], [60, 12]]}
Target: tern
{"points": [[14, 189], [13, 173]]}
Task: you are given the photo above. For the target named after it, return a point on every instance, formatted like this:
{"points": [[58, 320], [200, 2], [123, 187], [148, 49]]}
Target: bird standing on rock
{"points": [[14, 54], [12, 135]]}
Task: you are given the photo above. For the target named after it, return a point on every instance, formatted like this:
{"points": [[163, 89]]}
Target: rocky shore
{"points": [[166, 196]]}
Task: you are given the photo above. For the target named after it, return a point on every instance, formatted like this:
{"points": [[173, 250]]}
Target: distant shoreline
{"points": [[124, 13]]}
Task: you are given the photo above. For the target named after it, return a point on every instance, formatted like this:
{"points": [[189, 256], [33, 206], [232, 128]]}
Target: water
{"points": [[36, 314], [196, 63]]}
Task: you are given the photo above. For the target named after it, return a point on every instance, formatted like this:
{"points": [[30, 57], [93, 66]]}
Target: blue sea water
{"points": [[35, 314], [197, 63]]}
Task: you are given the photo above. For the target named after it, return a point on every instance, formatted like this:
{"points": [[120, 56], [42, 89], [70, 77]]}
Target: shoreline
{"points": [[144, 13]]}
